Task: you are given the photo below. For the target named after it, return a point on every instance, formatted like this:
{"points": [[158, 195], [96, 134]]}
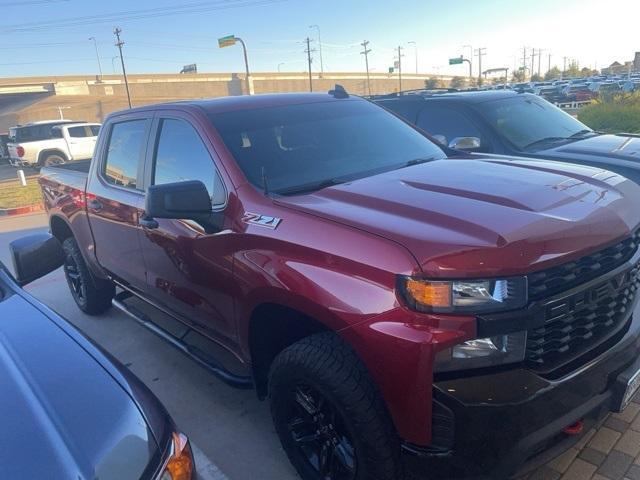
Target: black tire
{"points": [[320, 385], [52, 159], [92, 295]]}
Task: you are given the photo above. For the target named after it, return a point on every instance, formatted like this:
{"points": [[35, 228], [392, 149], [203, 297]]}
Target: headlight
{"points": [[463, 296], [483, 352], [179, 465]]}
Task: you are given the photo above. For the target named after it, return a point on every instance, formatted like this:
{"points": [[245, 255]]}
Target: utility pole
{"points": [[480, 52], [524, 63], [95, 44], [564, 67], [119, 44], [319, 48], [366, 52], [540, 50], [549, 67], [415, 51], [400, 55], [533, 61], [309, 60]]}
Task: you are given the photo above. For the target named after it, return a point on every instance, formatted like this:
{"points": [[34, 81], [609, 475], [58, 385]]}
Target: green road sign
{"points": [[227, 41], [391, 69], [455, 61]]}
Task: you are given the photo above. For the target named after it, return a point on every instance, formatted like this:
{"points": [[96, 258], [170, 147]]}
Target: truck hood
{"points": [[67, 417], [484, 217], [611, 146]]}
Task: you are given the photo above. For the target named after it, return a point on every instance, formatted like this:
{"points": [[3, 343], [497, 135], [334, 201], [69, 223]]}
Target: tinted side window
{"points": [[181, 155], [125, 152], [77, 132], [95, 129], [446, 124]]}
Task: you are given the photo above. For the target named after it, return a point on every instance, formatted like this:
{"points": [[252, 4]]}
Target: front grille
{"points": [[554, 280], [576, 324]]}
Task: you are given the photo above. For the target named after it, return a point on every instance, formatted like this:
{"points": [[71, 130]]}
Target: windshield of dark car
{"points": [[525, 120], [291, 146]]}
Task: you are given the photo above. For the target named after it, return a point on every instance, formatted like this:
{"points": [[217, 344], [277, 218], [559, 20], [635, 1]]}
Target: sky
{"points": [[51, 37]]}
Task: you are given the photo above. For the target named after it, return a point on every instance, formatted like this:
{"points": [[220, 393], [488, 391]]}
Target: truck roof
{"points": [[245, 102], [467, 96], [44, 122]]}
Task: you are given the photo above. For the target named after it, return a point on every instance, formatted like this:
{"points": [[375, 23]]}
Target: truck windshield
{"points": [[529, 122], [301, 148]]}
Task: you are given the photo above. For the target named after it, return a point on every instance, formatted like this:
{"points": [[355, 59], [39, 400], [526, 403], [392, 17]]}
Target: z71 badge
{"points": [[261, 220]]}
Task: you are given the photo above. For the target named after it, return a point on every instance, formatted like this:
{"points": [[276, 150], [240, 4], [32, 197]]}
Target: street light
{"points": [[470, 59], [95, 44], [281, 63], [415, 49], [230, 40], [317, 27]]}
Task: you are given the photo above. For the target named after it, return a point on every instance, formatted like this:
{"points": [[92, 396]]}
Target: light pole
{"points": [[366, 52], [279, 65], [415, 50], [317, 27], [95, 44], [470, 59]]}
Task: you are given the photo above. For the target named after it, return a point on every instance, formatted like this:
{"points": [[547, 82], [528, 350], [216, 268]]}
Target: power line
{"points": [[125, 16], [23, 3]]}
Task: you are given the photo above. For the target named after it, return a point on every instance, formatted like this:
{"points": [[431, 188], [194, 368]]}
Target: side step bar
{"points": [[178, 342]]}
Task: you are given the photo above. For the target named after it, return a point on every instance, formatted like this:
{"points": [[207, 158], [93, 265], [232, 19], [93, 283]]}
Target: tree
{"points": [[519, 75], [573, 70], [433, 82], [458, 82], [536, 78], [552, 74]]}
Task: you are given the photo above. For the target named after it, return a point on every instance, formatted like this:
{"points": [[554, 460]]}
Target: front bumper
{"points": [[500, 431]]}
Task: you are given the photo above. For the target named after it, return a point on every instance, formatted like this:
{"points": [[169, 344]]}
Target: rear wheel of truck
{"points": [[52, 159], [92, 295], [329, 415]]}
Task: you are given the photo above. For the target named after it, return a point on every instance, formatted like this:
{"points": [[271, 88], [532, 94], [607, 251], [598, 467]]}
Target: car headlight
{"points": [[180, 464], [483, 352], [463, 296]]}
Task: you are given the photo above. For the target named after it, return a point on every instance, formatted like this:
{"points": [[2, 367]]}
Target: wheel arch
{"points": [[45, 153]]}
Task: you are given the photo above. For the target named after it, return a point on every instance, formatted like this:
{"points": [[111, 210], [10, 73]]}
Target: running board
{"points": [[191, 351]]}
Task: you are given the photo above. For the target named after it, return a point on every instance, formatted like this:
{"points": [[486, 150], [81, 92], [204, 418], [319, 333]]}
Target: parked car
{"points": [[4, 150], [396, 305], [508, 123], [73, 411], [46, 143]]}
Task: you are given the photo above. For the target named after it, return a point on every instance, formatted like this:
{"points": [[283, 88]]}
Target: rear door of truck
{"points": [[115, 198]]}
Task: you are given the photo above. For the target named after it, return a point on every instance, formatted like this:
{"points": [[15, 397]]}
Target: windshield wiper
{"points": [[418, 161], [544, 141], [310, 187], [583, 133]]}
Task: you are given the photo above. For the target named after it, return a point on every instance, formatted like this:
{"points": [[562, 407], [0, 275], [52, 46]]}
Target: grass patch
{"points": [[621, 114], [13, 195]]}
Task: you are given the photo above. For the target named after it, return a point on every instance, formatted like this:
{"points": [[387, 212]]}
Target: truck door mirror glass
{"points": [[35, 256], [182, 200], [465, 143]]}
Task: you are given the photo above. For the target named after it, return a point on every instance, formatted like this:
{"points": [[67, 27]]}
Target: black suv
{"points": [[511, 123]]}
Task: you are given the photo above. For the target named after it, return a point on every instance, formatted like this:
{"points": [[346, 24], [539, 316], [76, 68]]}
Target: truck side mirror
{"points": [[34, 256], [181, 200], [465, 143]]}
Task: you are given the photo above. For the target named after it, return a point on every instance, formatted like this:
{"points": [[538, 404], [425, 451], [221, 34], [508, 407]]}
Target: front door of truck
{"points": [[115, 198], [188, 270]]}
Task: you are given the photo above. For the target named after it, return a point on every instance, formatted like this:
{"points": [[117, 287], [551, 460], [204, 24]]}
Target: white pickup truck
{"points": [[51, 142]]}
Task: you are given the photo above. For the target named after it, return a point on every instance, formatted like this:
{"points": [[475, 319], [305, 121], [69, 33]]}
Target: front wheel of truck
{"points": [[329, 415], [92, 295]]}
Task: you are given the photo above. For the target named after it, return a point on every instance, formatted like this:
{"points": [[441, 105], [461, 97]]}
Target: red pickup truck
{"points": [[403, 309]]}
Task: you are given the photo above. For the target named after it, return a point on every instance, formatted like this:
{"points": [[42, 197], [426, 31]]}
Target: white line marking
{"points": [[205, 468]]}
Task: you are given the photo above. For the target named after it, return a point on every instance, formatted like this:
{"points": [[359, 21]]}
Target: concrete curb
{"points": [[10, 212]]}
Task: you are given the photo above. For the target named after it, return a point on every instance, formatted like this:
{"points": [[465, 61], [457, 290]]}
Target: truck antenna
{"points": [[265, 186]]}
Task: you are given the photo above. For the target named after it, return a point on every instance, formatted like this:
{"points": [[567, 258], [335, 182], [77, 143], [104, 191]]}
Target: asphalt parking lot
{"points": [[232, 431]]}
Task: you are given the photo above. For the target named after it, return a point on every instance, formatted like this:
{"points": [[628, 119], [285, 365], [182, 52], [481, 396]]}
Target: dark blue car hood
{"points": [[64, 414], [619, 147]]}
